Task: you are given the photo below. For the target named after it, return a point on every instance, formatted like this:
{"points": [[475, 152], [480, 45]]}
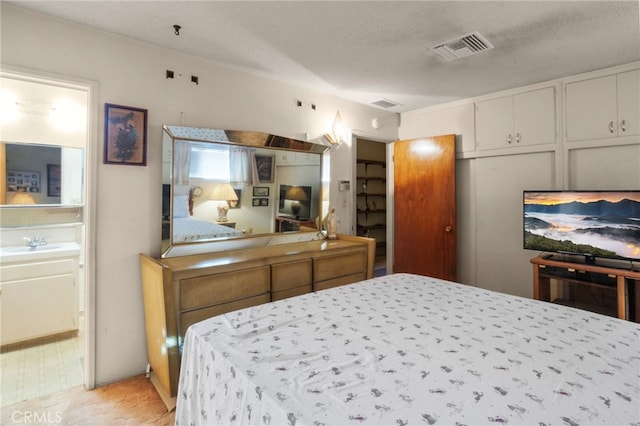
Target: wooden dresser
{"points": [[181, 291]]}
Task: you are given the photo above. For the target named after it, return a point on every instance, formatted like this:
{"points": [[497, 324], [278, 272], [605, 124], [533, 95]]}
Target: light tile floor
{"points": [[49, 365]]}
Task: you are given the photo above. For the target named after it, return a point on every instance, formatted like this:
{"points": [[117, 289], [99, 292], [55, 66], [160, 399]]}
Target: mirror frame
{"points": [[235, 138]]}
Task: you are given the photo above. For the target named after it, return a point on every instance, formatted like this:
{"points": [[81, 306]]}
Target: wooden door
{"points": [[425, 207]]}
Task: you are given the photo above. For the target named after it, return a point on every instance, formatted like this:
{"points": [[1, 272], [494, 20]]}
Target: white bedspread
{"points": [[405, 349], [188, 229]]}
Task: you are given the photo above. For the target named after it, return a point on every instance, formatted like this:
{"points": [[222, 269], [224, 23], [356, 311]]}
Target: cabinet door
{"points": [[629, 103], [494, 123], [38, 307], [591, 109], [534, 117]]}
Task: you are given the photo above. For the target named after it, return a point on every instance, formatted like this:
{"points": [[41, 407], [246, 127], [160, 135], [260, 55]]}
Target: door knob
{"points": [[449, 228]]}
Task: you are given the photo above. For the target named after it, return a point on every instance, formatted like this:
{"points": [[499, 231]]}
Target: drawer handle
{"points": [[518, 137], [509, 138], [611, 128], [623, 125]]}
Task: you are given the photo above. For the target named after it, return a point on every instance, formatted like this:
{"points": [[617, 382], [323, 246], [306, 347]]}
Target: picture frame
{"points": [[264, 202], [264, 167], [125, 135], [260, 191], [255, 202], [23, 181], [53, 180], [235, 204]]}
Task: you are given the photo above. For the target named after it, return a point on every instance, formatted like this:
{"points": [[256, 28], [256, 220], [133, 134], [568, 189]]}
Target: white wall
{"points": [[129, 197]]}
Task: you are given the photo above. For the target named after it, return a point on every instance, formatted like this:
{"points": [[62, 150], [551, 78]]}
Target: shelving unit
{"points": [[371, 201]]}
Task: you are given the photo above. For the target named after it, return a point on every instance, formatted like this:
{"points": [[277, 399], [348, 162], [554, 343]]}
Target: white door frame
{"points": [[90, 185]]}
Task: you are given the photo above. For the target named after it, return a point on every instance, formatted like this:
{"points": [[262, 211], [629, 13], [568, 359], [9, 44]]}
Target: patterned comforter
{"points": [[406, 349], [189, 229]]}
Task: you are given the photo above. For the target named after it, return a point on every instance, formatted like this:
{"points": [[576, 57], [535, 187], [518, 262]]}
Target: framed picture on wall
{"points": [[255, 202], [261, 191], [23, 181], [53, 180], [125, 135], [264, 168]]}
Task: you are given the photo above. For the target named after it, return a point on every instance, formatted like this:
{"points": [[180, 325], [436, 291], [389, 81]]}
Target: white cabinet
{"points": [[38, 299], [458, 120], [288, 158], [603, 107], [527, 118]]}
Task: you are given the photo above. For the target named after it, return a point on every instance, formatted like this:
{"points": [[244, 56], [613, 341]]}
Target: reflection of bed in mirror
{"points": [[187, 228]]}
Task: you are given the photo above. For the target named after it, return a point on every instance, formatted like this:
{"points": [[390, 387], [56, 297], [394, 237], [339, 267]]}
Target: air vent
{"points": [[460, 47], [385, 103]]}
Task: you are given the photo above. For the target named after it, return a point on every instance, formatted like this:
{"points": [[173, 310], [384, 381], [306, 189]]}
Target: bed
{"points": [[186, 228], [406, 349], [190, 229]]}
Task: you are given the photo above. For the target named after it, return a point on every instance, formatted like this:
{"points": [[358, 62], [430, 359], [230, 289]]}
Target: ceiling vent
{"points": [[460, 47], [385, 103]]}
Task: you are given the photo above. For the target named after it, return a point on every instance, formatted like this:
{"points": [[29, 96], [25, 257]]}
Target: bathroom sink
{"points": [[24, 253]]}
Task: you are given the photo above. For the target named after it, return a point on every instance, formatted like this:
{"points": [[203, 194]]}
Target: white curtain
{"points": [[181, 162], [240, 166]]}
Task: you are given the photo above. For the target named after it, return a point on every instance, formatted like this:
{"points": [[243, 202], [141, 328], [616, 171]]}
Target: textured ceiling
{"points": [[371, 50]]}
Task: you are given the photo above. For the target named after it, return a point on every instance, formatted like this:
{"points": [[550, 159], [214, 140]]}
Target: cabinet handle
{"points": [[518, 137], [623, 125], [611, 128], [509, 138]]}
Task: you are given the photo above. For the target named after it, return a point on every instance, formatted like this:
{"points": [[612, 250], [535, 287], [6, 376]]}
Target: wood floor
{"points": [[132, 402]]}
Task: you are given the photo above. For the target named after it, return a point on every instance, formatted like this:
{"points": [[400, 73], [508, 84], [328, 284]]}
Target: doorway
{"points": [[48, 111], [371, 197]]}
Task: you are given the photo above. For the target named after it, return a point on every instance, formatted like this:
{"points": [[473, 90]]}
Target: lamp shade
{"points": [[295, 193], [223, 192], [22, 198]]}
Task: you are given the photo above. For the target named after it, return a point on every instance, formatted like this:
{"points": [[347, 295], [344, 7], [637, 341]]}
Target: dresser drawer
{"points": [[192, 317], [288, 275], [330, 267], [214, 289], [284, 294], [348, 279]]}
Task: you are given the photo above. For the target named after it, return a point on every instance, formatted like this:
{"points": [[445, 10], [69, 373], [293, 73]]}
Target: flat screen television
{"points": [[166, 201], [295, 201], [589, 223]]}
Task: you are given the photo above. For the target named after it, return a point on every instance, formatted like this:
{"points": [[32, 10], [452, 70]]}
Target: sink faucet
{"points": [[34, 242]]}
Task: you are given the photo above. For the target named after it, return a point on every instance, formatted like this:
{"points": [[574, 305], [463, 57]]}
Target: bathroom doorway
{"points": [[40, 114]]}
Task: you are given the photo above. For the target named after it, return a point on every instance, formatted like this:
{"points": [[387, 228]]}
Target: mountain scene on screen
{"points": [[598, 228]]}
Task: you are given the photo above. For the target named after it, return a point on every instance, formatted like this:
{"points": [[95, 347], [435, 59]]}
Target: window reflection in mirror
{"points": [[42, 174]]}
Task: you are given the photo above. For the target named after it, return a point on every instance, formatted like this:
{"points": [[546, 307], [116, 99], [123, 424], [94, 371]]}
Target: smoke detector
{"points": [[463, 46]]}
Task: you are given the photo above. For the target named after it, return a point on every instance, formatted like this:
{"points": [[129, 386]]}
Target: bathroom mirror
{"points": [[223, 185], [41, 175]]}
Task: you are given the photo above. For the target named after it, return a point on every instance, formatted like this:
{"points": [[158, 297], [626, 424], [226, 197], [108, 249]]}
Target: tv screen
{"points": [[589, 223], [166, 201], [295, 201]]}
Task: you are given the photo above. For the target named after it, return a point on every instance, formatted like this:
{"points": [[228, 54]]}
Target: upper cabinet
{"points": [[527, 118], [603, 107]]}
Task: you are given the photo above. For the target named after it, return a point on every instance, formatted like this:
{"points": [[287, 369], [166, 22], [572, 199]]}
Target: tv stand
{"points": [[607, 290]]}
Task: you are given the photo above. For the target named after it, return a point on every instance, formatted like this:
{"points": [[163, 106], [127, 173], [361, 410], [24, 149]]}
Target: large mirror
{"points": [[41, 175], [221, 185]]}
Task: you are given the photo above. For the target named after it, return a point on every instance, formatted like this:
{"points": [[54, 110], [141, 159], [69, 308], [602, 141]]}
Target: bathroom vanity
{"points": [[38, 291]]}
